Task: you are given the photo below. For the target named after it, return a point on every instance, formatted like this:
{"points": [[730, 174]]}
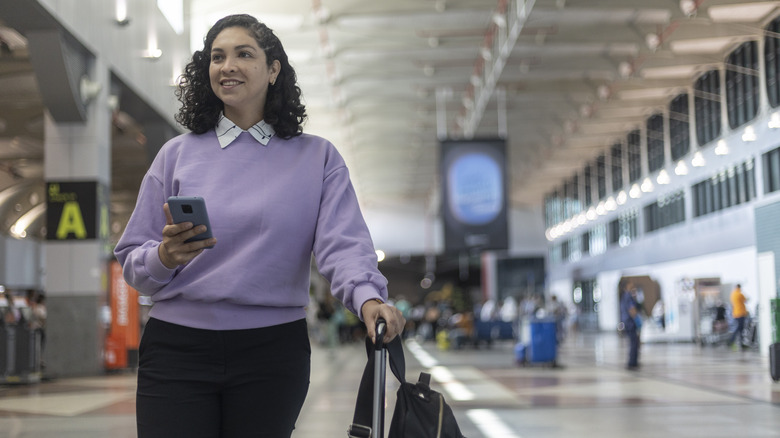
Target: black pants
{"points": [[221, 384], [633, 347]]}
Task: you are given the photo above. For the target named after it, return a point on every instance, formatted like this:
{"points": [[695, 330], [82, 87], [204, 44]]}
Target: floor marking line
{"points": [[490, 424]]}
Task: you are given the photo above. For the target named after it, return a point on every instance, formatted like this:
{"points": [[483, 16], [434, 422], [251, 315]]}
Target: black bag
{"points": [[420, 412]]}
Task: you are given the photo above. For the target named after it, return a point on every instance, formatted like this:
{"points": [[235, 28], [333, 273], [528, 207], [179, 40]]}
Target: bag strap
{"points": [[361, 421]]}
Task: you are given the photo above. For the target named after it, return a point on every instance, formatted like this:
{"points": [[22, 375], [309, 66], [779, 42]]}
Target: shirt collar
{"points": [[227, 131]]}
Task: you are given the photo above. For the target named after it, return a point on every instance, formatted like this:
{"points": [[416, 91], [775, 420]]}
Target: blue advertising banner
{"points": [[474, 196]]}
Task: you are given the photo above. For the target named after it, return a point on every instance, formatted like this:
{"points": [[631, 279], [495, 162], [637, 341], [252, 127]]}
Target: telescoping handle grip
{"points": [[381, 331], [378, 406]]}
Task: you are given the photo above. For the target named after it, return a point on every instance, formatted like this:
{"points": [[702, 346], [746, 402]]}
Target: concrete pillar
{"points": [[76, 266]]}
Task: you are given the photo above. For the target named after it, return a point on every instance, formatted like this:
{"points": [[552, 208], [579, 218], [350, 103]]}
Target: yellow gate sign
{"points": [[72, 210]]}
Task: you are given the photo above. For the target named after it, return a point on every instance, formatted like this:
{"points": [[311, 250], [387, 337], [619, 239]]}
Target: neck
{"points": [[243, 121]]}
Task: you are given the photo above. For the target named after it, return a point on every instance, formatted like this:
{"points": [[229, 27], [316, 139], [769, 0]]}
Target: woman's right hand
{"points": [[173, 251]]}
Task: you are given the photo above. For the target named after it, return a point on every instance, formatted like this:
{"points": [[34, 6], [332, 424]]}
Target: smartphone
{"points": [[190, 209]]}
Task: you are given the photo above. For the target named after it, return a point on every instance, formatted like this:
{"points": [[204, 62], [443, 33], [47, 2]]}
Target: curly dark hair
{"points": [[201, 107]]}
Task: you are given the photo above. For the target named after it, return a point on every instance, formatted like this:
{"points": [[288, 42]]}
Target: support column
{"points": [[78, 156]]}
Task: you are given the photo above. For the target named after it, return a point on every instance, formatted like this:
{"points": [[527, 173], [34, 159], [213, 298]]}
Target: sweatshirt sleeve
{"points": [[343, 248], [136, 250]]}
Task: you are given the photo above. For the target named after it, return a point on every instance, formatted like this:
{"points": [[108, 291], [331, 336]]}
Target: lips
{"points": [[230, 83]]}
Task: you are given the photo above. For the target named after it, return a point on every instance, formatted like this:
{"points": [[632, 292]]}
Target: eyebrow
{"points": [[239, 47]]}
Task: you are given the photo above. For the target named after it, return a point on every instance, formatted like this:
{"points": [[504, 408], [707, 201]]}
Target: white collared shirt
{"points": [[227, 131]]}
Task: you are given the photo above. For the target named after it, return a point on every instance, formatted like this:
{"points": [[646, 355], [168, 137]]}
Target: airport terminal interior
{"points": [[523, 167]]}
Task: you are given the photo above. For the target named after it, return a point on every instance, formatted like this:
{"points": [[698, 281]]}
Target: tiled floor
{"points": [[681, 390]]}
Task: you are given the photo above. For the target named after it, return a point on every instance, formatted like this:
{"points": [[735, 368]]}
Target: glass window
{"points": [[771, 163], [572, 189], [727, 188], [588, 185], [553, 209], [616, 166], [679, 129], [601, 176], [667, 210], [742, 84], [655, 142], [772, 62], [634, 156], [707, 107], [597, 239], [585, 237]]}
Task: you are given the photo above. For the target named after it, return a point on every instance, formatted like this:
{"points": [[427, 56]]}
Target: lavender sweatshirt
{"points": [[270, 208]]}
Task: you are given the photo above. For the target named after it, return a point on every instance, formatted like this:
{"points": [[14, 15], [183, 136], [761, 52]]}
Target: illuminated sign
{"points": [[474, 207], [76, 210]]}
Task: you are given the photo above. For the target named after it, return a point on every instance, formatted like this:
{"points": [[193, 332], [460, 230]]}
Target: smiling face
{"points": [[240, 75]]}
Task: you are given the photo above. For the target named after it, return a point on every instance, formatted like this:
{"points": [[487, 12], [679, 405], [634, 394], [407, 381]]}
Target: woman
{"points": [[226, 351]]}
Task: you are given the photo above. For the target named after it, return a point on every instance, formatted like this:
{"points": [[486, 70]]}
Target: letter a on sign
{"points": [[71, 221]]}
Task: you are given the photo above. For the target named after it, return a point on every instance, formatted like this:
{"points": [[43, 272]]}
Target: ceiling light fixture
{"points": [[652, 40], [688, 7], [121, 17], [647, 185], [603, 92], [749, 134], [681, 168], [19, 228], [153, 54], [663, 177], [774, 120], [89, 89], [698, 160], [625, 69], [635, 192], [722, 148], [622, 197]]}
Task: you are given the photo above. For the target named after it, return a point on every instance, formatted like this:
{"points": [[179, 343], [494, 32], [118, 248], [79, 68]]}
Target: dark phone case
{"points": [[198, 215]]}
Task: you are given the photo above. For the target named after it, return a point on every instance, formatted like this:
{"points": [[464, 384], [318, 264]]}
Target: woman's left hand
{"points": [[373, 310]]}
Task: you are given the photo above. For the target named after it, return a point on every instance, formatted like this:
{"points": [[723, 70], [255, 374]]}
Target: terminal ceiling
{"points": [[561, 80]]}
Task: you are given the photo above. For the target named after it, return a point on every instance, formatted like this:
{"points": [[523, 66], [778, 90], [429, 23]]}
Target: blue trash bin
{"points": [[543, 346]]}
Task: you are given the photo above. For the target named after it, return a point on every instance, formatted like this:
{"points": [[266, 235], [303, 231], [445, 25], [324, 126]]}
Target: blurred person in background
{"points": [[739, 313], [629, 316]]}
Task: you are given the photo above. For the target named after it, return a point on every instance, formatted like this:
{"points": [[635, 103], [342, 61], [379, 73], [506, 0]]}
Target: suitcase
{"points": [[774, 361], [359, 427], [419, 410]]}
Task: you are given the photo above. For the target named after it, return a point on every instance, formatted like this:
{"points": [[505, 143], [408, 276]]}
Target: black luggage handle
{"points": [[364, 423], [381, 330], [380, 367]]}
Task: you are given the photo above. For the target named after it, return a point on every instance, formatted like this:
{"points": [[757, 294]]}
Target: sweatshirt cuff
{"points": [[155, 268], [365, 292]]}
